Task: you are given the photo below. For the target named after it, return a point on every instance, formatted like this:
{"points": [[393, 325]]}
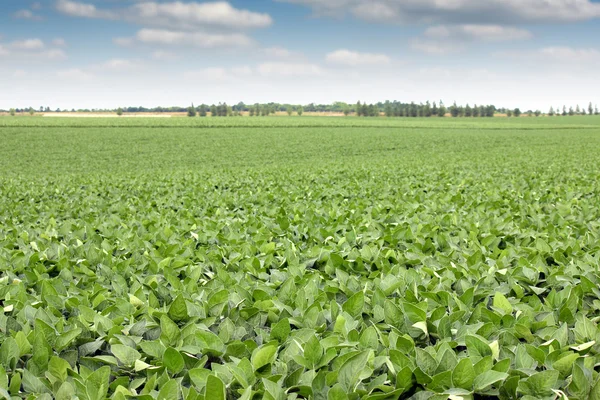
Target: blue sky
{"points": [[526, 53]]}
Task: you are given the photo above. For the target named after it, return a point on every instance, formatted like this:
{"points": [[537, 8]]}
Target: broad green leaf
{"points": [[264, 356], [215, 389], [125, 354], [173, 361], [464, 374], [349, 373]]}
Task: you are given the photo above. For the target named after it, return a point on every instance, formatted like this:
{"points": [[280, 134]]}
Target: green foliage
{"points": [[341, 261]]}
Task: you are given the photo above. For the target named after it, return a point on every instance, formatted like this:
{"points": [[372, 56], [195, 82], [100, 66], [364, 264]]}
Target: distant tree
{"points": [[434, 109], [577, 110], [346, 110], [509, 113], [583, 112], [529, 113], [389, 112], [31, 111], [590, 109], [427, 109], [213, 111], [551, 112], [596, 111], [300, 111], [571, 112], [119, 111], [251, 111], [289, 110], [12, 112], [203, 110], [468, 111], [365, 110], [538, 113], [454, 110], [475, 111], [358, 109], [564, 111], [441, 110], [517, 112], [191, 111]]}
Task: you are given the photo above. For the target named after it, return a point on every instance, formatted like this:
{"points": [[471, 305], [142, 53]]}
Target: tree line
{"points": [[361, 109]]}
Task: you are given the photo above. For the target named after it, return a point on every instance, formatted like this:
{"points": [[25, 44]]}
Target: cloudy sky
{"points": [[109, 53]]}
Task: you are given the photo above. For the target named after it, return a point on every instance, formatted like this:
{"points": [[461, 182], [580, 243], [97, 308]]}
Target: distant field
{"points": [[302, 257], [309, 121]]}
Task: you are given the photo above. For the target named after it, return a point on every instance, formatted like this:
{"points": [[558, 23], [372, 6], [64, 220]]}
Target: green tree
{"points": [[389, 112], [590, 109], [468, 111], [213, 111], [454, 110], [577, 110], [434, 109], [300, 111], [517, 112], [31, 111], [475, 111], [551, 112], [203, 110], [346, 110], [12, 112], [538, 113], [289, 110], [191, 111], [571, 112], [358, 109], [441, 110], [564, 111], [119, 111], [596, 111], [509, 113]]}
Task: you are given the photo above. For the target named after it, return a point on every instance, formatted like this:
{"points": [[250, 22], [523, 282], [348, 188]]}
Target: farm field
{"points": [[300, 258]]}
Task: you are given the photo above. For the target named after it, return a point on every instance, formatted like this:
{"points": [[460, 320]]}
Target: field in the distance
{"points": [[283, 258]]}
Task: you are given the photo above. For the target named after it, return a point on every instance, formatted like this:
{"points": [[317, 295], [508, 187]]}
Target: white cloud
{"points": [[59, 42], [277, 52], [27, 44], [242, 71], [27, 14], [74, 74], [353, 58], [197, 39], [289, 69], [53, 54], [435, 47], [174, 15], [36, 6], [194, 15], [457, 11], [162, 55], [118, 65], [76, 9], [477, 32], [3, 51], [220, 73], [569, 54], [577, 57], [19, 74]]}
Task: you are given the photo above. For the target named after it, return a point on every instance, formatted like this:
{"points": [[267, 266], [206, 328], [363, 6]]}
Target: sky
{"points": [[531, 54]]}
